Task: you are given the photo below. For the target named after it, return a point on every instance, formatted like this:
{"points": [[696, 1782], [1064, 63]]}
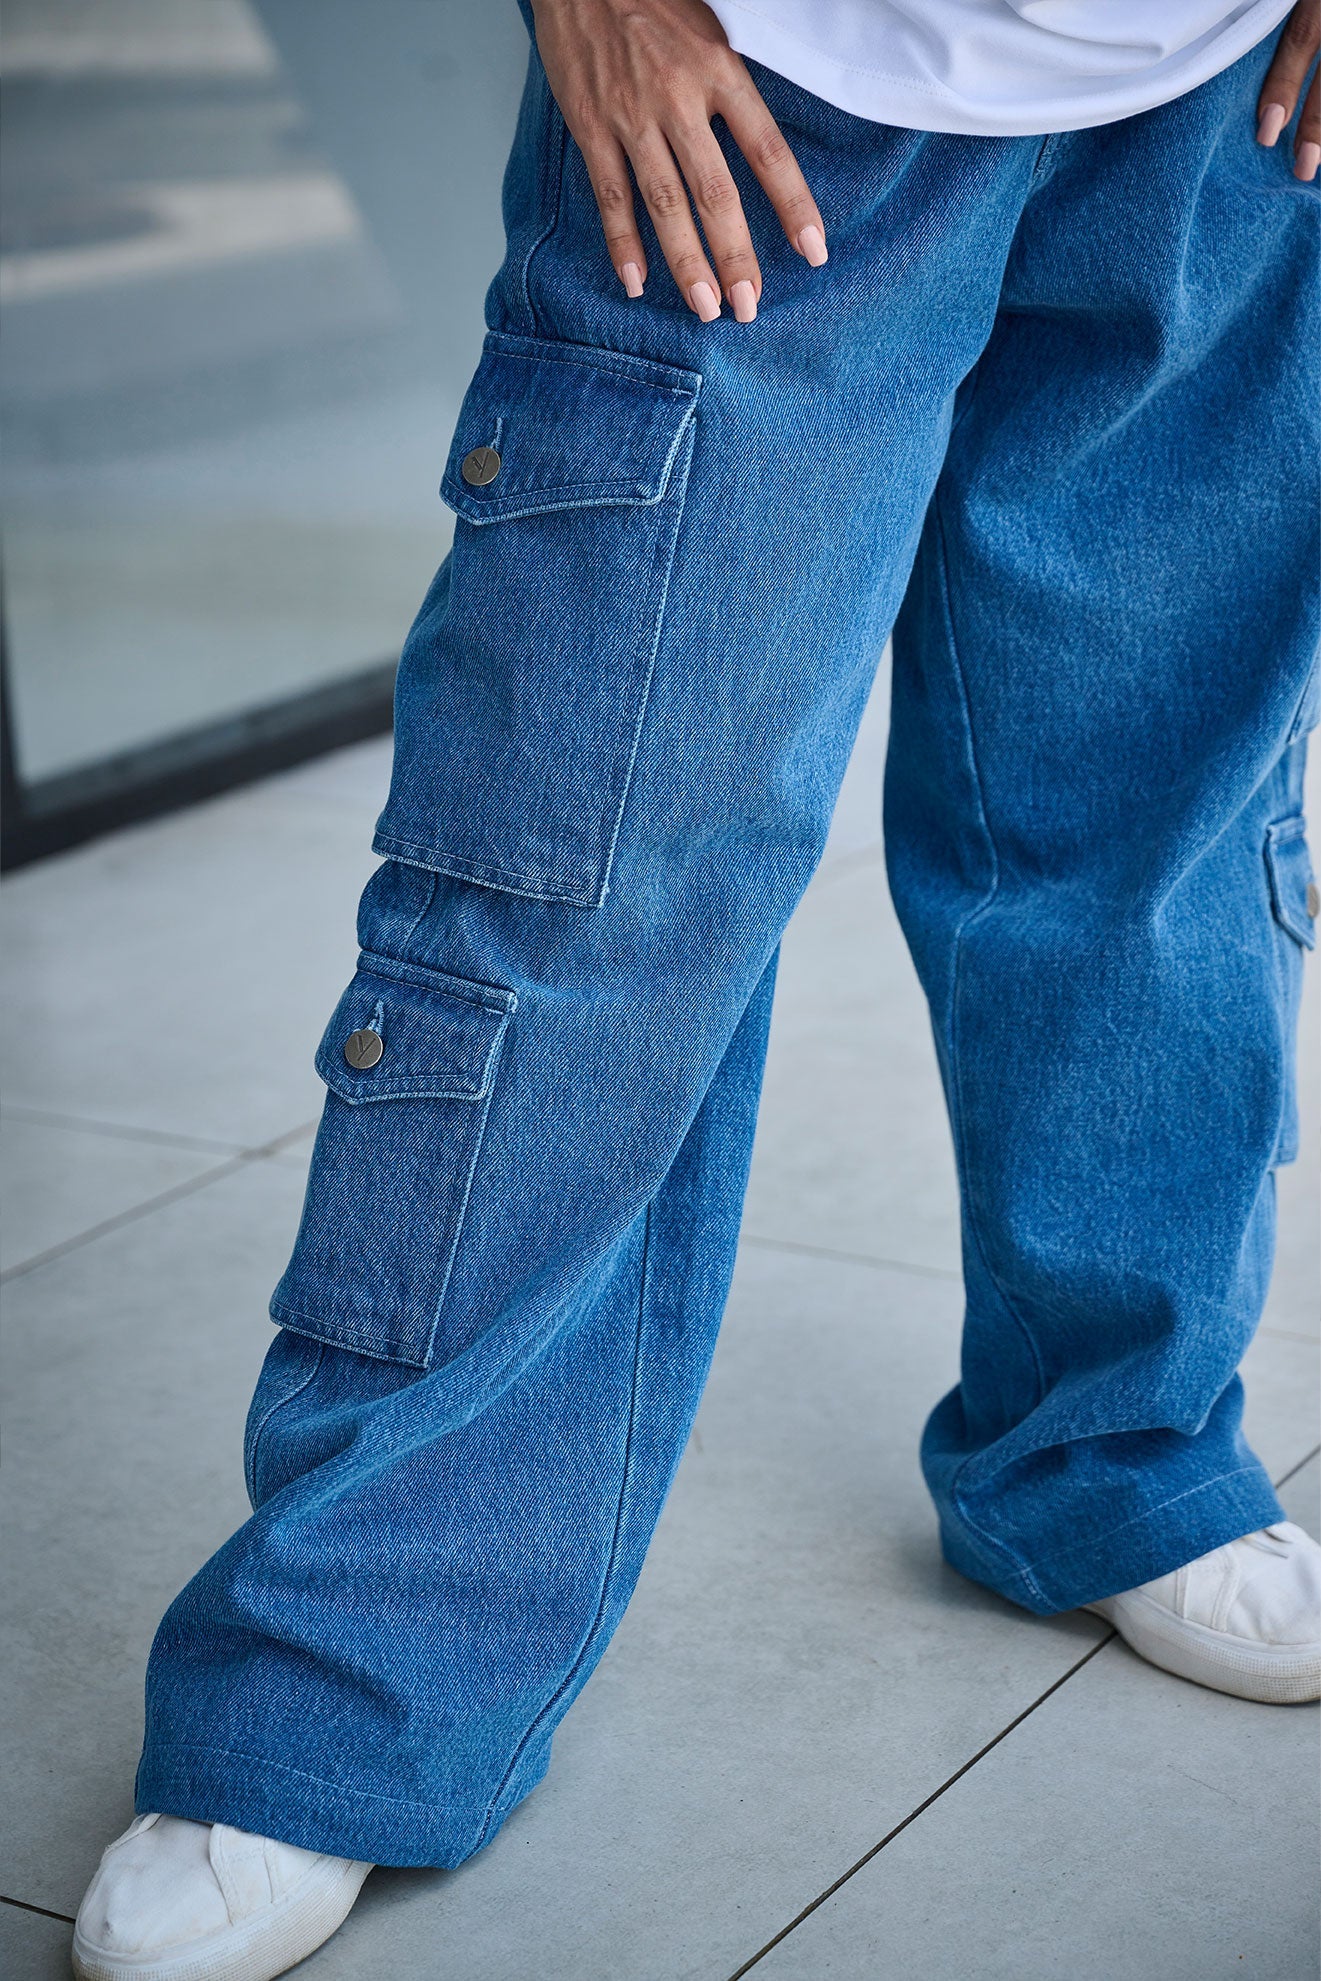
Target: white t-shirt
{"points": [[1001, 68]]}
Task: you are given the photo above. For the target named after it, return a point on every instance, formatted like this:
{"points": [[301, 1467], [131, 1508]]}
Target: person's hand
{"points": [[1294, 55], [638, 82]]}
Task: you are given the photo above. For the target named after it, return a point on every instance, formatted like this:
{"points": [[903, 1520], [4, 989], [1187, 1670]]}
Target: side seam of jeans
{"points": [[494, 1813], [966, 923], [553, 193], [278, 1403]]}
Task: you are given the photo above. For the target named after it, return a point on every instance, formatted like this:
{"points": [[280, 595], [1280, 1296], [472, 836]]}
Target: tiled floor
{"points": [[799, 1680]]}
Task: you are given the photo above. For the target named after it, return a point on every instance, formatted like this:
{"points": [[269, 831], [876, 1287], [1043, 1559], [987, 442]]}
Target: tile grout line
{"points": [[161, 1201], [23, 1905], [1109, 1638], [921, 1808], [848, 1258], [121, 1131], [1294, 1470], [44, 1911]]}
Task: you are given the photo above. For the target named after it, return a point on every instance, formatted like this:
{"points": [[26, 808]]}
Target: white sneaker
{"points": [[1244, 1619], [180, 1901]]}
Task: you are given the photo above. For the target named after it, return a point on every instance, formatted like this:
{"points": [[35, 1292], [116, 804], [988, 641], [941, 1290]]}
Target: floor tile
{"points": [[296, 1150], [1294, 1303], [58, 1181], [796, 1670], [1281, 1381], [1134, 1826], [32, 1947], [178, 975], [797, 1667], [854, 1151], [130, 1364], [354, 781], [1301, 1497]]}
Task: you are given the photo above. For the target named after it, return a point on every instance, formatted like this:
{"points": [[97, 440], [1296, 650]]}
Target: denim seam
{"points": [[553, 502], [492, 1814], [624, 492], [495, 998], [1280, 833], [554, 184], [956, 1077], [1280, 934], [335, 1335], [304, 1774], [558, 352], [690, 428], [446, 1275], [419, 918], [1049, 145], [676, 381], [1297, 726], [279, 1403], [1135, 1520], [410, 854]]}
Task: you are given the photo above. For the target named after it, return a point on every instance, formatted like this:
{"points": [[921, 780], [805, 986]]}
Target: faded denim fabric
{"points": [[1053, 399]]}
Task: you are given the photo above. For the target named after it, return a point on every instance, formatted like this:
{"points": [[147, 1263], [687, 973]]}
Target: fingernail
{"points": [[811, 245], [705, 301], [744, 298], [631, 276], [1306, 163], [1273, 120]]}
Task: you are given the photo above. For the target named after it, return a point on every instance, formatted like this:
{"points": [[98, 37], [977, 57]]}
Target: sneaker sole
{"points": [[1273, 1675], [257, 1949]]}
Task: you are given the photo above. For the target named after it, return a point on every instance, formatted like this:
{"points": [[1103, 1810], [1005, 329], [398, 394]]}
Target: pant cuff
{"points": [[271, 1799], [1105, 1563]]}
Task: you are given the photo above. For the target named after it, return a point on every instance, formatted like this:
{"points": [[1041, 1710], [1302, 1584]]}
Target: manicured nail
{"points": [[631, 276], [744, 298], [705, 301], [811, 245], [1273, 120], [1306, 163]]}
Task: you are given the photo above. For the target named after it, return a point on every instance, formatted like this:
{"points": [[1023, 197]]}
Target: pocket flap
{"points": [[439, 1035], [1293, 889], [572, 427]]}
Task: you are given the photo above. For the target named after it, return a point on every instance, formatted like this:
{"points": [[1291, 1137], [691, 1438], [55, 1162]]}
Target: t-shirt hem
{"points": [[882, 98]]}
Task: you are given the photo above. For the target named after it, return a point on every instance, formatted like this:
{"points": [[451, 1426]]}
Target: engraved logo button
{"points": [[363, 1049], [481, 466]]}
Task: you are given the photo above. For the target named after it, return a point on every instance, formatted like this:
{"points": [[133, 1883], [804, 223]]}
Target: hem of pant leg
{"points": [[270, 1798], [1152, 1543]]}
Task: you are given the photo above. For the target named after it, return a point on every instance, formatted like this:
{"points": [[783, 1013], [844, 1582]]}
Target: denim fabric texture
{"points": [[1047, 413]]}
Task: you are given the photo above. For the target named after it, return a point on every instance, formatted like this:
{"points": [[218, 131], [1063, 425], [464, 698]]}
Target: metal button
{"points": [[363, 1049], [481, 466], [1313, 899]]}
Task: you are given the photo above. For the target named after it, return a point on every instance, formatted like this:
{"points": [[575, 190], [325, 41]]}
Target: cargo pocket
{"points": [[409, 1062], [523, 683], [1295, 902]]}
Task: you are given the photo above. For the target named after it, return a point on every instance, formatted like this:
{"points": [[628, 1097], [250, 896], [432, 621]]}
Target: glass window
{"points": [[242, 263]]}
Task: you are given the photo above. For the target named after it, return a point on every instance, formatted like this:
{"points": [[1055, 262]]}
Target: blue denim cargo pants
{"points": [[1047, 414]]}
